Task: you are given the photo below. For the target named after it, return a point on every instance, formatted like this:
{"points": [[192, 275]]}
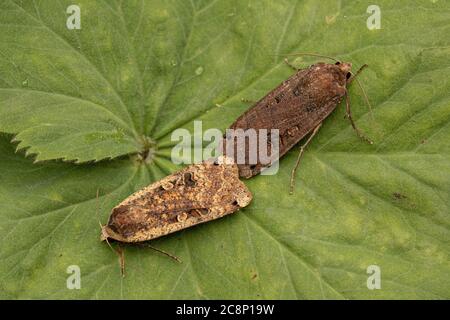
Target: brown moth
{"points": [[196, 194], [297, 107]]}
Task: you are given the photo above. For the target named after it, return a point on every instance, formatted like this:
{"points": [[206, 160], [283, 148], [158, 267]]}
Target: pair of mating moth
{"points": [[212, 189]]}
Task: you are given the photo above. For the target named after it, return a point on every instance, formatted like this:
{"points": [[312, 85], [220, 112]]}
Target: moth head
{"points": [[104, 234], [108, 234], [223, 160], [244, 199], [345, 67], [243, 196]]}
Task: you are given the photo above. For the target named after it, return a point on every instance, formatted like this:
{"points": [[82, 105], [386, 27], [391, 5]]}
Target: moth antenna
{"points": [[366, 98], [306, 54], [161, 251], [96, 209], [354, 75]]}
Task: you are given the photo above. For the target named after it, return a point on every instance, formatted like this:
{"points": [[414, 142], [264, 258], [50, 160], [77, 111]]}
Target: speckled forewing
{"points": [[295, 108], [196, 194]]}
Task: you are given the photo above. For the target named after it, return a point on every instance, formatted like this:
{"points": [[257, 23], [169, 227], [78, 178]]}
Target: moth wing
{"points": [[194, 195], [294, 108]]}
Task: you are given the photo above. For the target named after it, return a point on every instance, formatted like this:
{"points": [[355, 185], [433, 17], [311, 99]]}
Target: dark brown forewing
{"points": [[295, 108], [196, 194]]}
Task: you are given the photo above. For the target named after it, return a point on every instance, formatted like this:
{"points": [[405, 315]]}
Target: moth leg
{"points": [[142, 244], [354, 77], [357, 73], [348, 113], [121, 254], [302, 150], [290, 65]]}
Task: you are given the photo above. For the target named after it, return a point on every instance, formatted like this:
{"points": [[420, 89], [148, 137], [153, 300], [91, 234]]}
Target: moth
{"points": [[196, 194], [297, 107]]}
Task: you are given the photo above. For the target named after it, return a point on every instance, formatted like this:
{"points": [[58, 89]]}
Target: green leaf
{"points": [[137, 70]]}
